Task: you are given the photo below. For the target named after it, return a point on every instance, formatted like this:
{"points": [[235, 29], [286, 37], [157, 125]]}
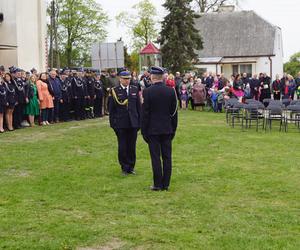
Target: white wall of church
{"points": [[24, 26]]}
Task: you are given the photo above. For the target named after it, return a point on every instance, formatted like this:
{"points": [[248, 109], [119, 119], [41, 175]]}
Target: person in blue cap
{"points": [[124, 117], [158, 127]]}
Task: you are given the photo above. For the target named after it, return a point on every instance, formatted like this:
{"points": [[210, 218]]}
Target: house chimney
{"points": [[226, 8]]}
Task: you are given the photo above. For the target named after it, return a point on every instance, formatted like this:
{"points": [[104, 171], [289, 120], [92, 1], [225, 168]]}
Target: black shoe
{"points": [[132, 172], [165, 189], [124, 173], [153, 188]]}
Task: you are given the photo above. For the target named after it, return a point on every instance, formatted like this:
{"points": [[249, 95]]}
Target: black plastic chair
{"points": [[292, 116], [253, 112], [286, 102], [236, 113], [228, 107], [266, 101], [274, 113]]}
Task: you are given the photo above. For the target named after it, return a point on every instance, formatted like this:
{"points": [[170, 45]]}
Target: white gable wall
{"points": [[278, 51], [24, 26]]}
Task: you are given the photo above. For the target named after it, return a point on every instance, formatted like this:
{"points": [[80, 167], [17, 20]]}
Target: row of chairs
{"points": [[263, 114]]}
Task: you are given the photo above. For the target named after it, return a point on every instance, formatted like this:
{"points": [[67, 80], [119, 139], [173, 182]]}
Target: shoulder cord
{"points": [[20, 88], [78, 85], [176, 103], [3, 92], [97, 85], [9, 90], [123, 103]]}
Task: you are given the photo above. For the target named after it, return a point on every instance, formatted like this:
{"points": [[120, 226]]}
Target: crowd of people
{"points": [[29, 98], [213, 90]]}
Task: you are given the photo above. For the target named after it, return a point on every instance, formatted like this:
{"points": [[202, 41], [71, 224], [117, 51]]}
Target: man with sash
{"points": [[124, 116]]}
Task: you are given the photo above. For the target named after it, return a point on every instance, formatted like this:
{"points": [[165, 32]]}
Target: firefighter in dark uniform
{"points": [[124, 116], [79, 93], [158, 125], [91, 95], [65, 105], [99, 96], [22, 98]]}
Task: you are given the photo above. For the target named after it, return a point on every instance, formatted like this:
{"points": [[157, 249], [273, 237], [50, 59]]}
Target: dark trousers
{"points": [[160, 146], [192, 102], [54, 113], [18, 115], [127, 148], [98, 107], [89, 108], [45, 114], [79, 108], [277, 96], [64, 111]]}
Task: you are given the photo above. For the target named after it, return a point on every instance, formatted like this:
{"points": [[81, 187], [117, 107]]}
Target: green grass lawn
{"points": [[61, 188]]}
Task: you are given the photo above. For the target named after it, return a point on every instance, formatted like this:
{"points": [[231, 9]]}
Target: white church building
{"points": [[23, 33], [239, 42]]}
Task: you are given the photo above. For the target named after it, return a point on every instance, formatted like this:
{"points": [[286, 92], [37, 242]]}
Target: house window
{"points": [[235, 69], [246, 68]]}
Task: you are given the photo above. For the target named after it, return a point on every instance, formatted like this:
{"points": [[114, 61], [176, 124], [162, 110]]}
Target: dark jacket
{"points": [[78, 88], [98, 89], [90, 86], [11, 96], [159, 110], [55, 85], [124, 116], [3, 99], [66, 91], [21, 90]]}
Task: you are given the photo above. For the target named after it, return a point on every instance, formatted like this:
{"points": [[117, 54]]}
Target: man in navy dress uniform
{"points": [[159, 123], [124, 116]]}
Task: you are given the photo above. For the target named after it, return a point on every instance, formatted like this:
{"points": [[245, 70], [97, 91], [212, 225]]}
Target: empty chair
{"points": [[253, 112], [228, 107], [236, 113], [286, 102], [292, 116], [274, 113], [266, 101]]}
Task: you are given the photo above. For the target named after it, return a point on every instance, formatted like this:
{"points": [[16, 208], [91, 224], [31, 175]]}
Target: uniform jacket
{"points": [[125, 116], [11, 93], [55, 87], [3, 99], [159, 114], [90, 86], [21, 90], [78, 87]]}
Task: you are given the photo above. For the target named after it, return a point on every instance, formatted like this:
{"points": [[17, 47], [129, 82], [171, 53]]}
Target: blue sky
{"points": [[282, 13]]}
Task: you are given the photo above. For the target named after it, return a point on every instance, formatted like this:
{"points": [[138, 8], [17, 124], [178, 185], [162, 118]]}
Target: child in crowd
{"points": [[184, 96], [214, 98]]}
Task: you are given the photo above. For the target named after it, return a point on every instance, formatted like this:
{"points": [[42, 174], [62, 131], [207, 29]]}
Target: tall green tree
{"points": [[142, 23], [292, 67], [79, 23], [179, 38]]}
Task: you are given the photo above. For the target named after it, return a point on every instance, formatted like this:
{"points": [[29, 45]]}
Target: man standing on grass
{"points": [[159, 123], [124, 117]]}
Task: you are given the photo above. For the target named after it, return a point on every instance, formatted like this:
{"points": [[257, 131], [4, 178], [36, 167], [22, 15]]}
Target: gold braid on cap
{"points": [[123, 103]]}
